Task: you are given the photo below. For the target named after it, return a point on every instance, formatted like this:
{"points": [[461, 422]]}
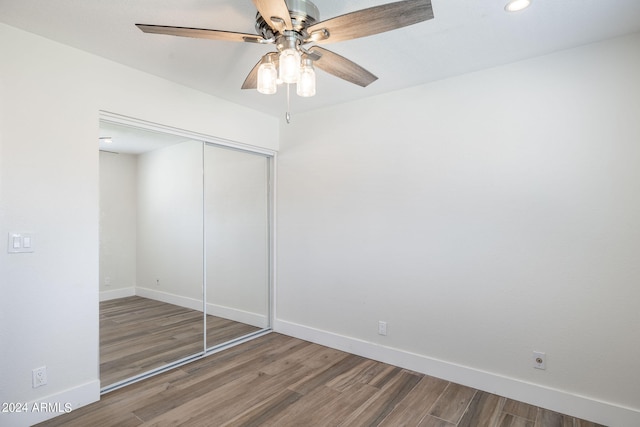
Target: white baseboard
{"points": [[117, 293], [556, 400], [51, 406], [186, 302], [253, 319], [246, 317]]}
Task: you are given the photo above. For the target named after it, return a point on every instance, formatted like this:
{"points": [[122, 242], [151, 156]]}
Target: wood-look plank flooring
{"points": [[277, 380], [139, 334]]}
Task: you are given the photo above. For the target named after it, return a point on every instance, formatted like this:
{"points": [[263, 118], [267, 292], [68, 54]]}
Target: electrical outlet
{"points": [[107, 281], [39, 376], [382, 328], [539, 360]]}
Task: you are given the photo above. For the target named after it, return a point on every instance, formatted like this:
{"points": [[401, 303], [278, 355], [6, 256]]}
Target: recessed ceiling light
{"points": [[516, 5]]}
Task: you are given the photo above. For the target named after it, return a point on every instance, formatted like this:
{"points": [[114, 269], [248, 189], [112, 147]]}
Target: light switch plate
{"points": [[20, 243]]}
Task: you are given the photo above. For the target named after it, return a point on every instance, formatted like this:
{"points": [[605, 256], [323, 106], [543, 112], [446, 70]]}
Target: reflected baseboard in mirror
{"points": [[140, 334]]}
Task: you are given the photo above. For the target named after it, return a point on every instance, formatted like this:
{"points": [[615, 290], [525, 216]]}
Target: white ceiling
{"points": [[465, 36], [123, 139]]}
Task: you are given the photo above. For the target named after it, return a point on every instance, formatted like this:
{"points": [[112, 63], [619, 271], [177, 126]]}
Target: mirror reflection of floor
{"points": [[139, 334]]}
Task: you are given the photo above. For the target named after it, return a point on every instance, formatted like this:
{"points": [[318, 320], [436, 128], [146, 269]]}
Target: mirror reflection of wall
{"points": [[118, 223], [237, 237], [151, 246]]}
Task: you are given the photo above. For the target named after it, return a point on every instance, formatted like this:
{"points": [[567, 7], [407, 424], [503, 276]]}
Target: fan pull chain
{"points": [[287, 116]]}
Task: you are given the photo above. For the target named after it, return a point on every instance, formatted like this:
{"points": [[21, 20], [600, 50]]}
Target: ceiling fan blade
{"points": [[251, 82], [201, 33], [341, 67], [275, 13], [374, 20]]}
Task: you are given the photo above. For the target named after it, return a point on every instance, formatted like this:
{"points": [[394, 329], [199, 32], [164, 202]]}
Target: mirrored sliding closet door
{"points": [[184, 248]]}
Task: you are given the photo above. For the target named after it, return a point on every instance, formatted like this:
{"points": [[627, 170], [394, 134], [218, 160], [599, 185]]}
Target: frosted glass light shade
{"points": [[289, 65], [267, 78], [307, 82]]}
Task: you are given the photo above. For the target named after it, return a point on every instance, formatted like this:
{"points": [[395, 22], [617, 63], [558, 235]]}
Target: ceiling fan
{"points": [[291, 25]]}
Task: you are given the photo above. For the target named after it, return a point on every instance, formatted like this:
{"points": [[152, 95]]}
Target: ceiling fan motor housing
{"points": [[303, 14]]}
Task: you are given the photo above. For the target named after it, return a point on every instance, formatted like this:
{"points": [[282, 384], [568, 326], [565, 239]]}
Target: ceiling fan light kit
{"points": [[292, 24], [289, 60], [307, 79], [267, 77]]}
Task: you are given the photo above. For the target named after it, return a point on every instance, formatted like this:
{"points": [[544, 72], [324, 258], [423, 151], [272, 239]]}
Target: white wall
{"points": [[236, 201], [50, 98], [170, 223], [118, 228], [483, 217]]}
